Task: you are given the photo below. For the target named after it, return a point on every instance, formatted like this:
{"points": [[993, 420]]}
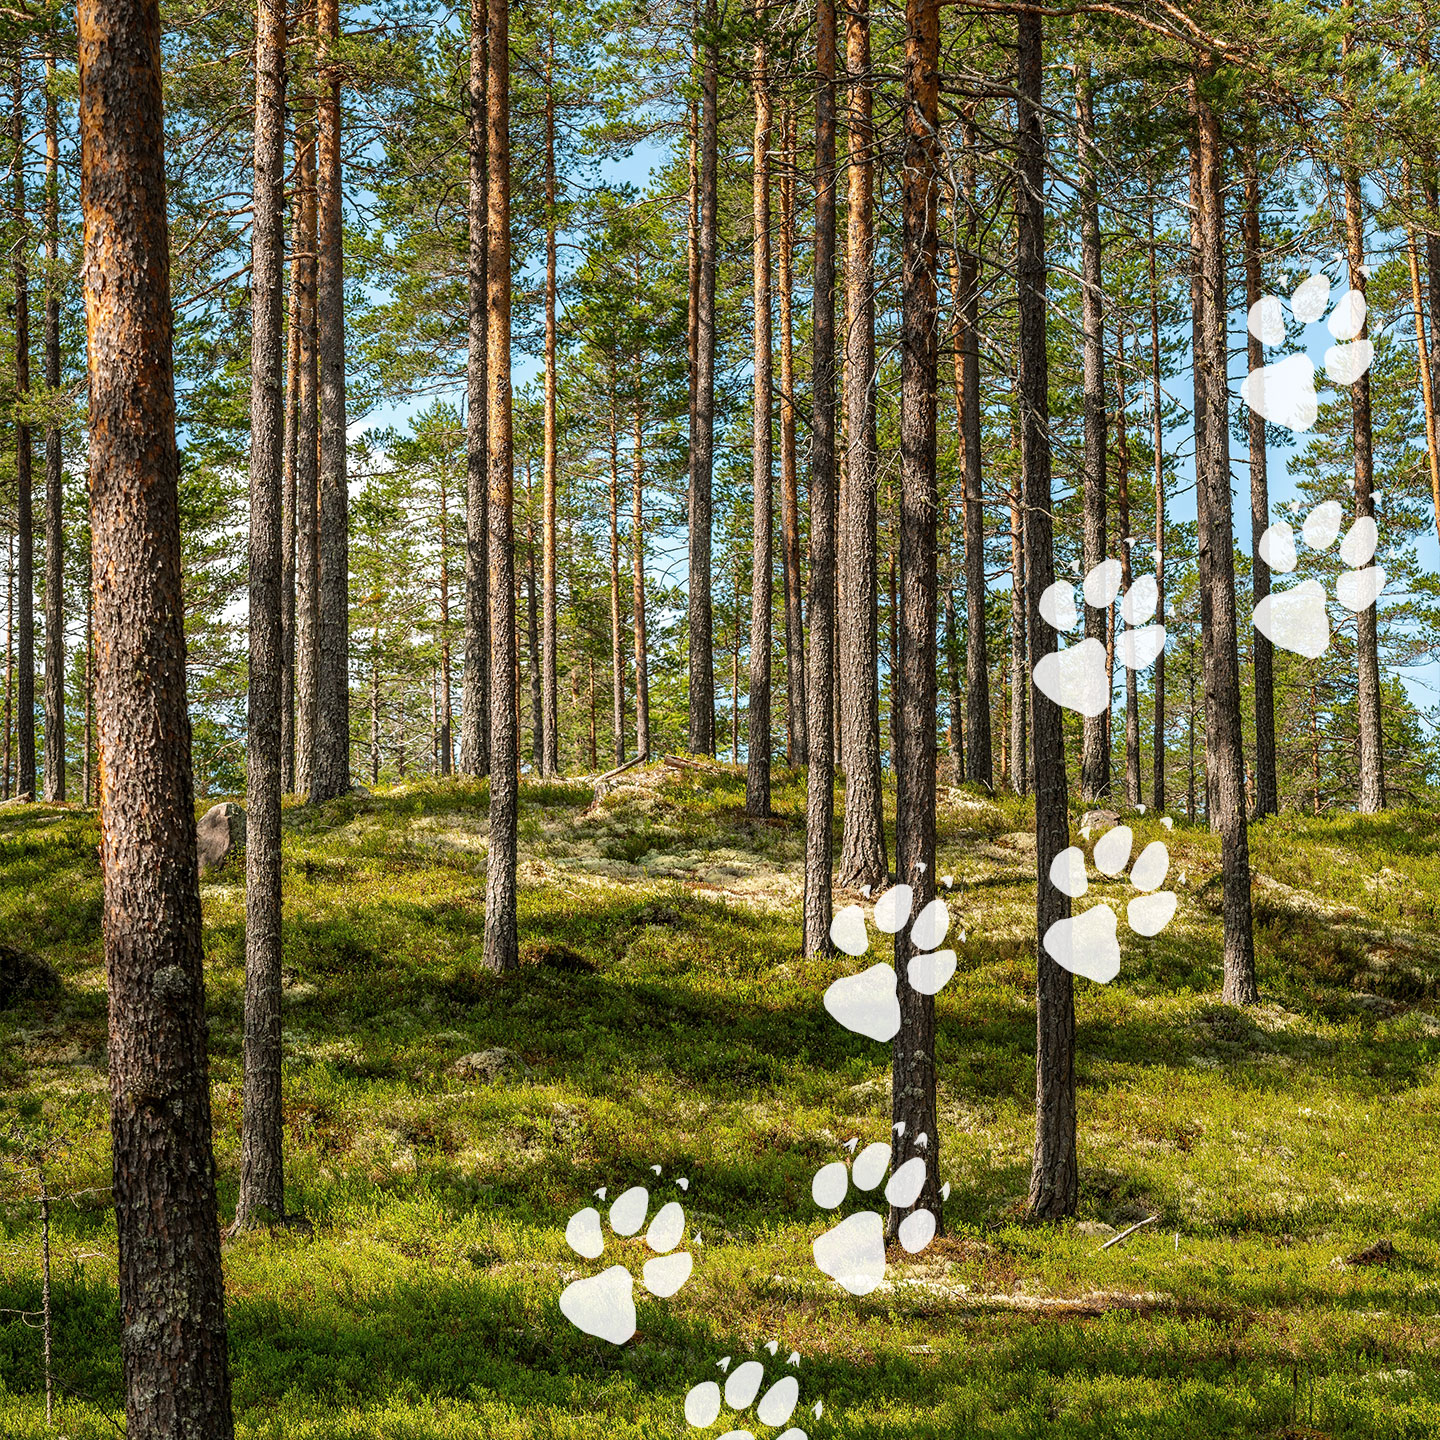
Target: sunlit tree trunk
{"points": [[54, 470], [475, 680], [262, 1172], [172, 1289], [1122, 496], [24, 498], [1053, 1176], [1019, 748], [757, 768], [550, 697], [287, 516], [637, 548], [1157, 793], [617, 648], [502, 946], [862, 850]]}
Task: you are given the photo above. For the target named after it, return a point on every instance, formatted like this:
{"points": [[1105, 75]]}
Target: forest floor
{"points": [[662, 1016]]}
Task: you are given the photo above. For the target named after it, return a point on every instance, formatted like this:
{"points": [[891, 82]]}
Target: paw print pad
{"points": [[867, 1003], [1078, 677], [852, 1253], [1295, 618], [1284, 392], [1087, 944], [705, 1402], [603, 1305]]}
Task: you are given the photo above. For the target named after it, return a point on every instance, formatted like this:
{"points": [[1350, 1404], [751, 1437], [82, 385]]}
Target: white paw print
{"points": [[704, 1401], [1086, 944], [1284, 392], [1078, 677], [852, 1253], [1295, 618], [867, 1003], [603, 1305]]}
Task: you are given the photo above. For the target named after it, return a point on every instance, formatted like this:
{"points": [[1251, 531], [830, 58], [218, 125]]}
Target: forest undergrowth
{"points": [[662, 1016]]}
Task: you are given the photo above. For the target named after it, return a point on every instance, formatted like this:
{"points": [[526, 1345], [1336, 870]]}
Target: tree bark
{"points": [[702, 443], [1019, 747], [637, 552], [24, 497], [1266, 793], [502, 946], [54, 472], [1133, 794], [9, 661], [820, 663], [537, 703], [1157, 791], [172, 1290], [617, 648], [287, 514], [475, 700], [1371, 797], [447, 748], [307, 515], [913, 1107], [796, 709], [979, 765], [862, 849], [1053, 1175], [1224, 744], [1422, 344], [550, 727], [1095, 738], [331, 775], [262, 1185], [757, 766]]}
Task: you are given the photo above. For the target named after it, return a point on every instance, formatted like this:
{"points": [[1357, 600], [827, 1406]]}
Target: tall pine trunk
{"points": [[1157, 792], [262, 1186], [172, 1289], [979, 765], [1266, 793], [331, 773], [1095, 736], [307, 514], [287, 516], [1019, 748], [702, 440], [862, 849], [617, 648], [24, 497], [637, 558], [796, 750], [820, 662], [1224, 741], [1133, 794], [447, 718], [913, 1106], [54, 471], [475, 680], [502, 945], [1053, 1176], [550, 697], [757, 767]]}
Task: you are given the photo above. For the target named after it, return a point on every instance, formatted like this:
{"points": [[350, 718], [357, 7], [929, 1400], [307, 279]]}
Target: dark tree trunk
{"points": [[532, 618], [796, 710], [262, 1183], [617, 648], [1053, 1176], [862, 849], [1266, 795], [287, 518], [502, 945], [757, 766], [331, 776], [1095, 737], [172, 1290], [1157, 795], [54, 471], [979, 765], [1019, 748], [913, 1107], [820, 666], [24, 498], [702, 441], [475, 699], [9, 662], [1224, 743], [447, 747], [307, 515], [1133, 794], [1371, 797], [637, 555], [550, 695]]}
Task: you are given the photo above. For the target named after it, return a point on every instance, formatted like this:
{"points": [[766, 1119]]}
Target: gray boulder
{"points": [[221, 830], [490, 1065], [24, 977], [1098, 819]]}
